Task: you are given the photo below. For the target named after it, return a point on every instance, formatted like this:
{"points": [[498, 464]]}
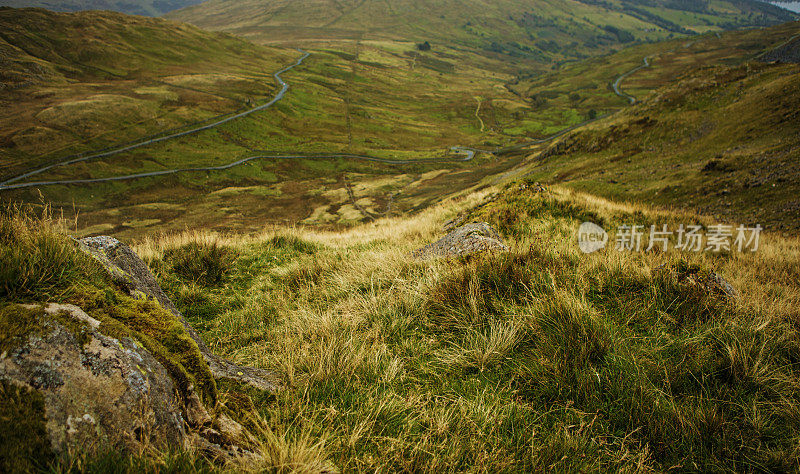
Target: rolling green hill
{"points": [[300, 257], [720, 138], [381, 98], [132, 7], [80, 82], [374, 98], [541, 30], [90, 79]]}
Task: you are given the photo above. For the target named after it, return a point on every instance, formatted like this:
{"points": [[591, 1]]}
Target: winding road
{"points": [[618, 82], [469, 155], [467, 152], [149, 141]]}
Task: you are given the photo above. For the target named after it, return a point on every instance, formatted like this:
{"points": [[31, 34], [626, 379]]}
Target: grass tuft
{"points": [[205, 264], [37, 261]]}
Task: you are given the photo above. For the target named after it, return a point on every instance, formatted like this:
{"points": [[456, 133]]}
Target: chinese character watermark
{"points": [[685, 238], [629, 238]]}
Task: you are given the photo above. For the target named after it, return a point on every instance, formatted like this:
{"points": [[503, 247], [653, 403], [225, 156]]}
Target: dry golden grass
{"points": [[544, 359]]}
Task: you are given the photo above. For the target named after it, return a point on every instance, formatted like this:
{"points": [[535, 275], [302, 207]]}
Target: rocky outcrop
{"points": [[715, 284], [84, 383], [705, 279], [131, 273], [97, 390], [464, 241], [786, 53]]}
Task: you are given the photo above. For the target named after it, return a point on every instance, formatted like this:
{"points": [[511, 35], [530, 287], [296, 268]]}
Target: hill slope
{"points": [[544, 30], [89, 79], [132, 7], [721, 139], [387, 103], [561, 361], [384, 100]]}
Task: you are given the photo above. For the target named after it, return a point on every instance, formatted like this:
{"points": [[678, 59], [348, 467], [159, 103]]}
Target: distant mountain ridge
{"points": [[541, 30], [132, 7]]}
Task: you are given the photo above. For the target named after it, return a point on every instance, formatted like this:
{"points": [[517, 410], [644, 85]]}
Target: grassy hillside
{"points": [[541, 359], [385, 99], [542, 31], [73, 82], [721, 139], [368, 98], [131, 7], [583, 85]]}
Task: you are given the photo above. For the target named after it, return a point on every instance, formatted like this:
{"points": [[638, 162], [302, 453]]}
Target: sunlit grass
{"points": [[544, 358]]}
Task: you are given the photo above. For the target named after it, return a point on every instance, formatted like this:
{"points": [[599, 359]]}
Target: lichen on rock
{"points": [[102, 360], [132, 274], [706, 280], [96, 390], [464, 241]]}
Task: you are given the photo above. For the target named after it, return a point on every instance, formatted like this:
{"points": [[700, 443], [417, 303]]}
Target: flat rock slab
{"points": [[467, 240]]}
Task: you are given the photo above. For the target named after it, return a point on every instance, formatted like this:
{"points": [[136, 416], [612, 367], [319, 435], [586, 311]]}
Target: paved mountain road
{"points": [[469, 155], [618, 82], [467, 152], [149, 141]]}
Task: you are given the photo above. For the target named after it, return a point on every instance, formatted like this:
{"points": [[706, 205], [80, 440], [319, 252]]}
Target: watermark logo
{"points": [[591, 237], [685, 238]]}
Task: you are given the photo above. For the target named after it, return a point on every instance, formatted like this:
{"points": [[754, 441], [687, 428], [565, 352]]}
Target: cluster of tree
{"points": [[766, 13], [426, 46], [623, 36], [496, 47], [551, 46], [517, 50], [531, 20], [695, 6], [649, 17], [537, 101]]}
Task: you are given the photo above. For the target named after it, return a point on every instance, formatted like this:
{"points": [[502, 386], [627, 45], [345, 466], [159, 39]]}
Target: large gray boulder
{"points": [[130, 272], [70, 382], [97, 390], [464, 241]]}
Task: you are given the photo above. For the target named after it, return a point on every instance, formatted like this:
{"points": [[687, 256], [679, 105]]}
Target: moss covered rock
{"points": [[131, 273], [92, 390], [464, 241]]}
